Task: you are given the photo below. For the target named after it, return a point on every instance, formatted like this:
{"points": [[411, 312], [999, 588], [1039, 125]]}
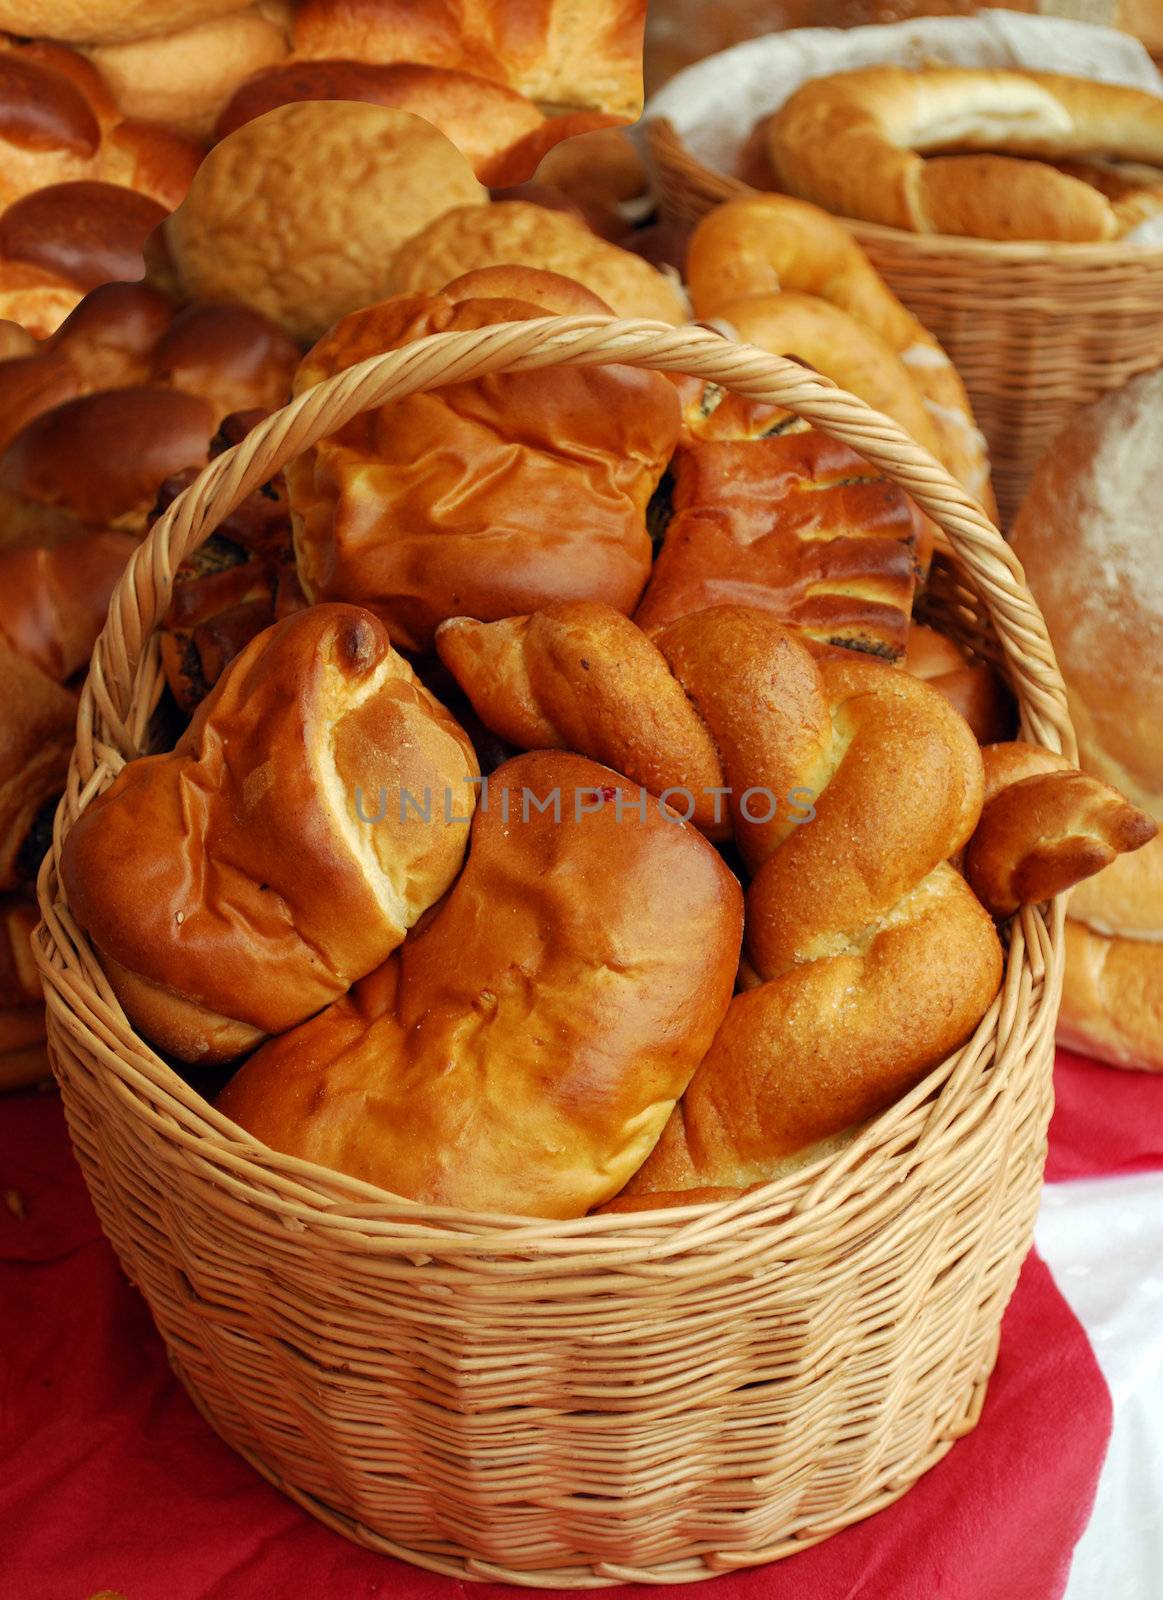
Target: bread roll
{"points": [[485, 499], [23, 1058], [795, 524], [53, 602], [767, 245], [483, 119], [126, 393], [564, 56], [183, 77], [245, 880], [854, 142], [298, 214], [513, 232], [524, 1048], [1087, 537]]}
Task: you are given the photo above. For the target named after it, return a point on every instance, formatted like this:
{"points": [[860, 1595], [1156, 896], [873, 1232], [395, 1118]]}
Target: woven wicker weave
{"points": [[658, 1397], [1035, 330]]}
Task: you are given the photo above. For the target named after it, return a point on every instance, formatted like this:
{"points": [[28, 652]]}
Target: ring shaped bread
{"points": [[769, 245], [856, 142]]}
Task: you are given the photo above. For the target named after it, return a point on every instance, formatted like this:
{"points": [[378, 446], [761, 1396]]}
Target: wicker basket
{"points": [[657, 1397], [1035, 330]]}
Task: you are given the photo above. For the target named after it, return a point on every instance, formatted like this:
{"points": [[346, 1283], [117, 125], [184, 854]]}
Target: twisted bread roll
{"points": [[80, 186], [486, 498], [245, 880], [514, 232], [796, 524], [524, 1048], [560, 54], [850, 142], [768, 246], [971, 687], [127, 392], [1045, 827]]}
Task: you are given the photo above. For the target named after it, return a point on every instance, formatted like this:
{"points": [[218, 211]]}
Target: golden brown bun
{"points": [[1088, 538], [184, 77], [103, 20], [853, 143], [490, 1067], [562, 55], [36, 740], [483, 119], [89, 441], [98, 460], [53, 602], [298, 213], [515, 232], [874, 959], [1112, 999], [770, 243], [60, 124], [1045, 827], [83, 233], [487, 499], [236, 886], [582, 677], [971, 687], [796, 524]]}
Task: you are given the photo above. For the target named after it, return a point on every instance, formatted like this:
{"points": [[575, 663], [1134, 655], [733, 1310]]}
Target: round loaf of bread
{"points": [[1087, 535], [299, 213], [514, 232]]}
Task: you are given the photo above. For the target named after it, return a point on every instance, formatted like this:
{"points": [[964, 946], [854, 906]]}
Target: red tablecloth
{"points": [[110, 1480]]}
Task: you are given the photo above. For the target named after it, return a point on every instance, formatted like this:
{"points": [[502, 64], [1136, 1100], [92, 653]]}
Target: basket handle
{"points": [[112, 721]]}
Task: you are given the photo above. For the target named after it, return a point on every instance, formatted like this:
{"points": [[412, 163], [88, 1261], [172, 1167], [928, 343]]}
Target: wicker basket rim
{"points": [[122, 688], [1018, 252]]}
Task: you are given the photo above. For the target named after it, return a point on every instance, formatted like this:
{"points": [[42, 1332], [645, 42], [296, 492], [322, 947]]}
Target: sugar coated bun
{"points": [[1087, 535], [299, 213], [516, 232], [101, 21], [183, 78]]}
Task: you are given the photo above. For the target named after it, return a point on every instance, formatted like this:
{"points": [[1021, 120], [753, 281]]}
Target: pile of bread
{"points": [[107, 115], [992, 154], [534, 982]]}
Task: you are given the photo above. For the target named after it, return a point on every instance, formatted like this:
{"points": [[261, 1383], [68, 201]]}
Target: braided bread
{"points": [[523, 1050], [239, 883], [767, 247]]}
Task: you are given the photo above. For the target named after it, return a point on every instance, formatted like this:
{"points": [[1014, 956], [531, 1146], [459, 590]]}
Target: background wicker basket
{"points": [[1035, 330], [657, 1397]]}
